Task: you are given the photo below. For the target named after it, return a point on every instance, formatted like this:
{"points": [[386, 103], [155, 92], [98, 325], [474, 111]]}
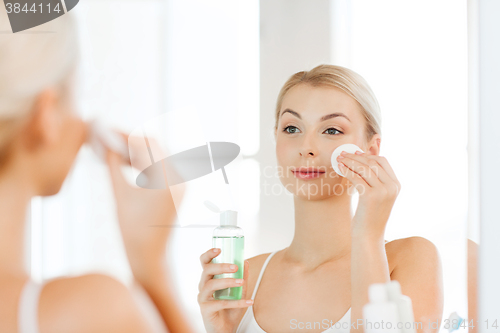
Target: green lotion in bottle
{"points": [[230, 239]]}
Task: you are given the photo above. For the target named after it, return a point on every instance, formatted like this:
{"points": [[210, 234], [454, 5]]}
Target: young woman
{"points": [[323, 276], [40, 136]]}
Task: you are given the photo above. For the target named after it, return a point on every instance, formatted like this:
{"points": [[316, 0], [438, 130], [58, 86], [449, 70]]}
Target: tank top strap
{"points": [[28, 307], [262, 273]]}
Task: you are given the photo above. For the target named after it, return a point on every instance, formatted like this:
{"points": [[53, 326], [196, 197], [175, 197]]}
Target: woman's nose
{"points": [[307, 152], [308, 147]]}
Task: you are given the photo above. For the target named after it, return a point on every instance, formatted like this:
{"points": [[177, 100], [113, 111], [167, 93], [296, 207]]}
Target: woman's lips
{"points": [[307, 174]]}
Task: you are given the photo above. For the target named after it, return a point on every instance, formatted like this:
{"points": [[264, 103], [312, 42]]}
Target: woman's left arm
{"points": [[419, 274]]}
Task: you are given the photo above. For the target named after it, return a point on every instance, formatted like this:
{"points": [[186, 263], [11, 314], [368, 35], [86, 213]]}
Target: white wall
{"points": [[417, 67], [488, 70]]}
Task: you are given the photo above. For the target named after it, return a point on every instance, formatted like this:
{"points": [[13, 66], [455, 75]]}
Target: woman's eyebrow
{"points": [[328, 116]]}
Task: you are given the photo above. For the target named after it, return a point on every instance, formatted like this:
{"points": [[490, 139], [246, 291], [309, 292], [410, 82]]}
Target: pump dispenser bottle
{"points": [[380, 315], [230, 239]]}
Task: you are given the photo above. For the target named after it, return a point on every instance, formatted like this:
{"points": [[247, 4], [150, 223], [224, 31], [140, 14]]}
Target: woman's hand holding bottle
{"points": [[221, 316]]}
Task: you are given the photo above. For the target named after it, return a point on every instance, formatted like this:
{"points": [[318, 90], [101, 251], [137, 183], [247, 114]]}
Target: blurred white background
{"points": [[227, 59]]}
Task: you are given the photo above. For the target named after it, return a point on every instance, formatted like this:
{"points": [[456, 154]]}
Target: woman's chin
{"points": [[315, 190]]}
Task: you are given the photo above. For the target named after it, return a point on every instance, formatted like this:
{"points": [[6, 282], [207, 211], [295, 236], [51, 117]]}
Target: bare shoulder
{"points": [[88, 303], [413, 251], [418, 270], [410, 248]]}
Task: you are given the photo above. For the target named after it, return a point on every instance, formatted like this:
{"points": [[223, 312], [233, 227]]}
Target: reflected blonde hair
{"points": [[342, 78], [31, 61]]}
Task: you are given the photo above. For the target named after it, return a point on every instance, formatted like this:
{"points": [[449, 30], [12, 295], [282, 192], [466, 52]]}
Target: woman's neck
{"points": [[322, 231], [14, 199]]}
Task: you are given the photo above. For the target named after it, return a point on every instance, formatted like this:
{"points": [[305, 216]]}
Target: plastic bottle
{"points": [[230, 239], [454, 322], [404, 305], [380, 314]]}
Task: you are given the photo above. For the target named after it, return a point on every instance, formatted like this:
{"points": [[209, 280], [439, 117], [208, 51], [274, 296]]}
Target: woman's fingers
{"points": [[373, 169], [118, 179], [210, 269], [207, 291], [213, 269], [215, 306], [144, 151], [245, 279], [387, 167], [208, 285], [354, 177], [207, 257], [366, 170], [365, 165], [124, 137]]}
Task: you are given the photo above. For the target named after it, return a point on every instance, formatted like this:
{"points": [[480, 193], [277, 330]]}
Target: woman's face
{"points": [[61, 134], [313, 122]]}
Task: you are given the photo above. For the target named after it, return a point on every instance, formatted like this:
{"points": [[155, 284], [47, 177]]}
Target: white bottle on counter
{"points": [[404, 305], [380, 314]]}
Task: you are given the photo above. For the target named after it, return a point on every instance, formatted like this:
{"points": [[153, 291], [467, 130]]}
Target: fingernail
{"points": [[249, 301], [358, 152], [215, 250], [239, 281], [343, 153], [232, 267]]}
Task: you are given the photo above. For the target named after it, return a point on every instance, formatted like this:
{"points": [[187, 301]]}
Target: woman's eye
{"points": [[333, 129], [291, 127], [294, 129]]}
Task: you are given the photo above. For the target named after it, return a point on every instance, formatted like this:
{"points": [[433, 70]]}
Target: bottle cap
{"points": [[228, 217], [348, 147], [393, 290], [377, 292]]}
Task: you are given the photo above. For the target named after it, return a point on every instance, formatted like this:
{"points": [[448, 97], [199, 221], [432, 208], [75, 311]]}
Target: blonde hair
{"points": [[343, 78], [31, 61]]}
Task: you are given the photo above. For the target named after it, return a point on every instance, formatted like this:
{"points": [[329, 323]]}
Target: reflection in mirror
{"points": [[472, 259]]}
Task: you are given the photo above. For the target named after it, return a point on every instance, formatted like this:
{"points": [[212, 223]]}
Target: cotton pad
{"points": [[99, 138], [348, 147]]}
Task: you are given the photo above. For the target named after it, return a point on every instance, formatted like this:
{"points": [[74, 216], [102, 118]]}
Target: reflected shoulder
{"points": [[88, 303]]}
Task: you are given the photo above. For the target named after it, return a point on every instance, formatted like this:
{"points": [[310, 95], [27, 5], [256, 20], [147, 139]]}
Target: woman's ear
{"points": [[374, 145], [44, 125]]}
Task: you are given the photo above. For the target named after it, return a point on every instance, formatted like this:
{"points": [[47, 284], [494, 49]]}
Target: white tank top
{"points": [[30, 295], [248, 323]]}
